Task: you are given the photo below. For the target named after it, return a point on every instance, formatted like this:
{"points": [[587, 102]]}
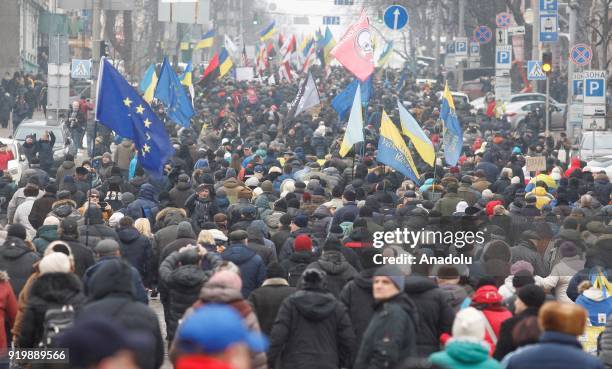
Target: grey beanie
{"points": [[394, 274]]}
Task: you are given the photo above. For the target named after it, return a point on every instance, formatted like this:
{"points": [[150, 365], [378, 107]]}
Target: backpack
{"points": [[56, 321], [295, 273]]}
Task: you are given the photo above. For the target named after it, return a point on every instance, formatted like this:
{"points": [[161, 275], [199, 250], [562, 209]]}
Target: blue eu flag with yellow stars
{"points": [[171, 92], [120, 108]]}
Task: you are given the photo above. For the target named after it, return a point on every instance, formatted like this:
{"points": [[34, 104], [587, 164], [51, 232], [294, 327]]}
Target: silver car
{"points": [[603, 147], [516, 113]]}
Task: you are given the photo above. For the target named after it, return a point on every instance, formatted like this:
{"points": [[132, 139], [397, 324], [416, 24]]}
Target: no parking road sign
{"points": [[594, 87], [483, 34], [581, 55]]}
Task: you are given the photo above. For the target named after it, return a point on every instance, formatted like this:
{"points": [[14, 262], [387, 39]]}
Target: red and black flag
{"points": [[212, 71]]}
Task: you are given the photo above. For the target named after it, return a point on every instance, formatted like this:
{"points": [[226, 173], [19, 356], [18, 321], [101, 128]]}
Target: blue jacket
{"points": [[555, 350], [145, 206], [252, 267], [348, 208]]}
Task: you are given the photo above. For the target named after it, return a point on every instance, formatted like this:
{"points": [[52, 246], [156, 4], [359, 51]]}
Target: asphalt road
{"points": [[156, 305]]}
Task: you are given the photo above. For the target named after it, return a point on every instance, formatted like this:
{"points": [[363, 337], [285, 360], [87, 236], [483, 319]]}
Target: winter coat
{"points": [[358, 299], [123, 155], [339, 271], [560, 277], [287, 248], [166, 223], [298, 261], [49, 291], [605, 352], [257, 231], [18, 261], [252, 267], [221, 294], [112, 296], [83, 256], [180, 193], [44, 236], [136, 282], [40, 209], [312, 330], [137, 249], [489, 301], [465, 354], [456, 295], [391, 335], [470, 195], [597, 305], [435, 313], [96, 231], [184, 284], [22, 214], [145, 206], [8, 310], [7, 189], [448, 204], [68, 168], [349, 208], [201, 211], [505, 343], [232, 186], [267, 300], [525, 250], [554, 350], [542, 197]]}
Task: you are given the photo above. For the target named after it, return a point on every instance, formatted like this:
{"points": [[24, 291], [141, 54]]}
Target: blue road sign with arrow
{"points": [[396, 17]]}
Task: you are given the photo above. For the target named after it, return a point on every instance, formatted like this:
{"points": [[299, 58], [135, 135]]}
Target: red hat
{"points": [[302, 243], [487, 295]]}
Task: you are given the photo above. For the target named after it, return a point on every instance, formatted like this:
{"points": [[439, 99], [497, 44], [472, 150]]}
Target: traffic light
{"points": [[547, 62], [256, 18], [104, 49], [380, 16]]}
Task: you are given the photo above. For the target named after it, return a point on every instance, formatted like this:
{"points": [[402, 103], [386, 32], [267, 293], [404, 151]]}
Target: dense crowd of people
{"points": [[259, 241]]}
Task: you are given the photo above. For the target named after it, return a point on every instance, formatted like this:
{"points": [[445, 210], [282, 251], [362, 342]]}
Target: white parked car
{"points": [[480, 104], [603, 147], [19, 164], [516, 113], [602, 163]]}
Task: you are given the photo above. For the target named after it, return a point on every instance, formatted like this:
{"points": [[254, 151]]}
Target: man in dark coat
{"points": [[16, 258], [252, 267], [257, 241], [108, 251], [527, 304], [299, 260], [42, 206], [145, 206], [112, 296], [201, 206], [357, 295], [435, 313], [527, 250], [166, 223], [181, 191], [392, 333], [312, 329], [136, 249], [94, 230], [68, 232], [333, 263], [298, 226], [182, 274], [184, 236], [349, 208], [267, 299]]}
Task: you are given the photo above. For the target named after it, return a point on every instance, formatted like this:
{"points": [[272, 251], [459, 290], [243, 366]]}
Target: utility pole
{"points": [[535, 38], [461, 34], [572, 8], [95, 45], [438, 31]]}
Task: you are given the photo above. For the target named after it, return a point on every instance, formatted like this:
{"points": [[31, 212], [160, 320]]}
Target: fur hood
{"points": [[59, 203], [170, 211], [4, 277]]}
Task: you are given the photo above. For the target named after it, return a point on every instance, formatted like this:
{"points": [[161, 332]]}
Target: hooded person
{"points": [[16, 258], [112, 295], [183, 275], [595, 299], [391, 335], [333, 262], [257, 233], [558, 346], [55, 287], [68, 232], [561, 274], [252, 267], [312, 329], [181, 191], [467, 348], [527, 304], [488, 301], [223, 288], [145, 205]]}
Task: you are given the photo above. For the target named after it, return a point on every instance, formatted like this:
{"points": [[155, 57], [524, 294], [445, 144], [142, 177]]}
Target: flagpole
{"points": [[93, 148]]}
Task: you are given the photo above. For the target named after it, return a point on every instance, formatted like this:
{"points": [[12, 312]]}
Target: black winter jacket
{"points": [[267, 299], [18, 261], [357, 297], [137, 249], [435, 313], [312, 331], [339, 271]]}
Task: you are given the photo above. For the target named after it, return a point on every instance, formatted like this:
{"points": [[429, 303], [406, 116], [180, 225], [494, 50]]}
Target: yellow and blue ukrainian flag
{"points": [[386, 54], [268, 32], [225, 62], [207, 40], [420, 141], [354, 128], [452, 134], [392, 149], [148, 83]]}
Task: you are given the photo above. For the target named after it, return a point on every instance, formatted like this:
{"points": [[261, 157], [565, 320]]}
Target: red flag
{"points": [[281, 40], [354, 50], [212, 70]]}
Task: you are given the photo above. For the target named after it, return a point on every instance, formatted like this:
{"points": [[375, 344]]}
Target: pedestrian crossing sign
{"points": [[81, 69], [534, 71]]}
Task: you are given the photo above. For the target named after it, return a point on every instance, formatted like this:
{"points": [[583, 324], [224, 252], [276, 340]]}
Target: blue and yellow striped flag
{"points": [[148, 83], [225, 62], [452, 134], [384, 57], [412, 129], [207, 40], [268, 32], [354, 128], [392, 149]]}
